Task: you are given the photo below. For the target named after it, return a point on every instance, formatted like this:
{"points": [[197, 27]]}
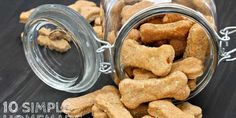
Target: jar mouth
{"points": [[74, 70], [167, 8]]}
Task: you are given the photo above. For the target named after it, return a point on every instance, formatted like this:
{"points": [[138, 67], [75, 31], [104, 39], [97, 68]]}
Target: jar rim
{"points": [[166, 8]]}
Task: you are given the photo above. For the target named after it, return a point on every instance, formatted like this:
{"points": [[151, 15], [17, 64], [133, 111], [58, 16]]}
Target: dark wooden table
{"points": [[21, 88]]}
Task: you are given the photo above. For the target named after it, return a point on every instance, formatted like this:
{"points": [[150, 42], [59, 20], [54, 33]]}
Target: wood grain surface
{"points": [[18, 83]]}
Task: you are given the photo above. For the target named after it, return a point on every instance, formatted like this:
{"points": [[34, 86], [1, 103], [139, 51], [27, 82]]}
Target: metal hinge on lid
{"points": [[226, 55], [105, 67]]}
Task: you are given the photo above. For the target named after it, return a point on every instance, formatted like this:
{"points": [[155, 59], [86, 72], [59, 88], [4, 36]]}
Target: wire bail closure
{"points": [[105, 67], [226, 55]]}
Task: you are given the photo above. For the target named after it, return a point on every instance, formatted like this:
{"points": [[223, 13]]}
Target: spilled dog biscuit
{"points": [[80, 106], [111, 104], [135, 92], [166, 109]]}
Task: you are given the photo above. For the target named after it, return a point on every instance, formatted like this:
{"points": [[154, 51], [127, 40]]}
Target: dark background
{"points": [[18, 82]]}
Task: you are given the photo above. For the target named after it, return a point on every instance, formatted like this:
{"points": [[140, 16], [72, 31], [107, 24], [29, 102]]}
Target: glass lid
{"points": [[60, 47]]}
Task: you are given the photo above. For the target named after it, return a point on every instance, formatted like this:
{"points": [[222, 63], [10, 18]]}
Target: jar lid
{"points": [[68, 61]]}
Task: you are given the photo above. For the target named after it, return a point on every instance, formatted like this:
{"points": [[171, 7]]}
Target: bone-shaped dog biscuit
{"points": [[140, 111], [179, 46], [130, 10], [136, 92], [81, 3], [111, 104], [166, 109], [142, 74], [191, 109], [155, 32], [197, 43], [80, 106], [98, 113], [169, 18], [191, 66], [157, 60]]}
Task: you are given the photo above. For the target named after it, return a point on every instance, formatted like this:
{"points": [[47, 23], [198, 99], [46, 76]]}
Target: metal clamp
{"points": [[226, 55], [105, 67]]}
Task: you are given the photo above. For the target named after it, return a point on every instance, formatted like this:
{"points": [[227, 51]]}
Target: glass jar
{"points": [[78, 69]]}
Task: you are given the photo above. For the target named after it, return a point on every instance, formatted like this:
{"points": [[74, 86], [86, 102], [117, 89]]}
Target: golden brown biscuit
{"points": [[147, 116], [58, 45], [192, 84], [191, 109], [155, 32], [115, 17], [191, 66], [141, 74], [99, 31], [169, 18], [197, 43], [81, 3], [130, 10], [110, 103], [166, 109], [134, 34], [111, 38], [90, 13], [98, 113], [157, 60], [140, 111], [135, 92], [24, 16], [179, 46], [80, 106], [45, 31]]}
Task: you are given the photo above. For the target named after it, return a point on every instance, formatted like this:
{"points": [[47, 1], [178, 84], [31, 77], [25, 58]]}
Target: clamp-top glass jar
{"points": [[78, 69]]}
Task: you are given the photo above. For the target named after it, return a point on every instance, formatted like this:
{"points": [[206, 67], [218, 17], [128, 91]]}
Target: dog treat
{"points": [[191, 66], [129, 71], [191, 109], [111, 38], [147, 116], [197, 43], [179, 46], [98, 21], [202, 7], [166, 109], [24, 16], [192, 84], [77, 6], [157, 60], [90, 13], [157, 20], [43, 40], [80, 106], [45, 31], [136, 92], [134, 34], [58, 45], [160, 43], [169, 18], [99, 31], [98, 113], [140, 111], [155, 32], [111, 104], [58, 35], [114, 15], [141, 74], [130, 10]]}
